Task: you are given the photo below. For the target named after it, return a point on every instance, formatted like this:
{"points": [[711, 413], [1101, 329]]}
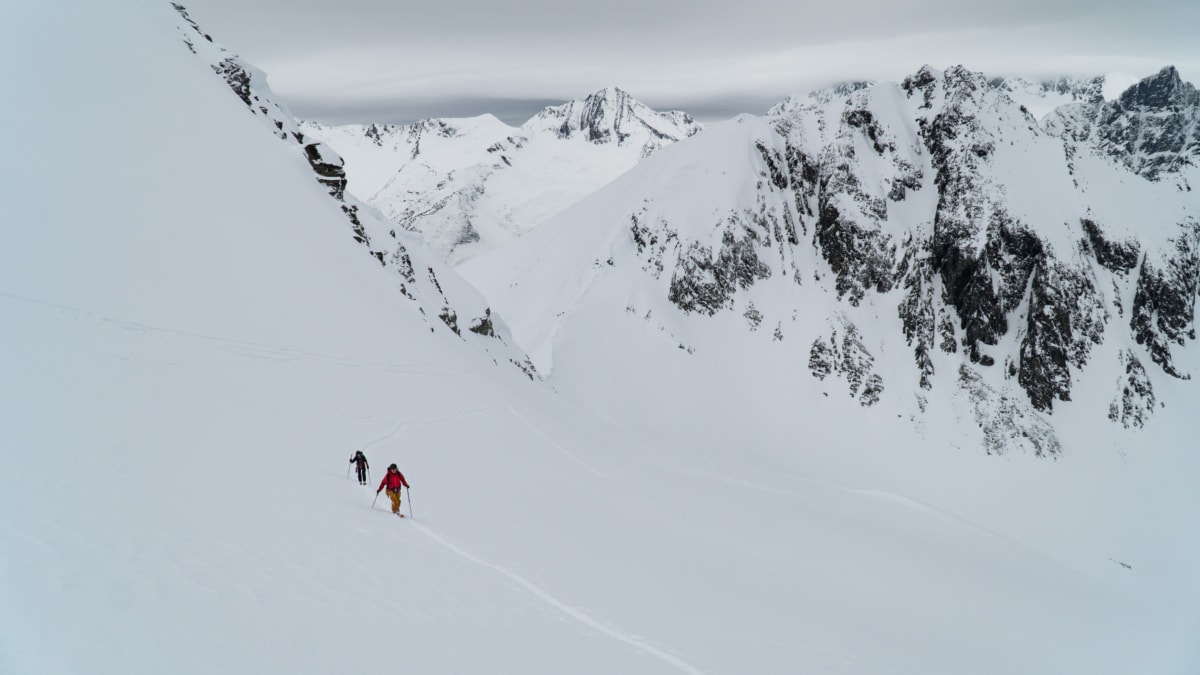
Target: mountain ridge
{"points": [[997, 243], [465, 183], [420, 278]]}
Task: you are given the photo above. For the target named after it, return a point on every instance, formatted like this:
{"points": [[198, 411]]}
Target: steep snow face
{"points": [[1014, 264], [420, 277], [469, 185]]}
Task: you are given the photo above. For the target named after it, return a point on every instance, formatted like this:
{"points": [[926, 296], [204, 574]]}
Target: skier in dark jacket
{"points": [[360, 460], [393, 480]]}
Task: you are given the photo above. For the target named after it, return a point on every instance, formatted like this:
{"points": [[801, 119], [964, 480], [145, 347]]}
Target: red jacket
{"points": [[392, 481]]}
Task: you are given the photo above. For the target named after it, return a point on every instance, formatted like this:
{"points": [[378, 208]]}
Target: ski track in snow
{"points": [[404, 425], [234, 346], [631, 466], [573, 612], [882, 495]]}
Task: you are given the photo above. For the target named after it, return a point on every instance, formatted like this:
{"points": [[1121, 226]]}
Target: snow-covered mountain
{"points": [[1039, 97], [196, 335], [922, 250], [933, 218], [469, 185]]}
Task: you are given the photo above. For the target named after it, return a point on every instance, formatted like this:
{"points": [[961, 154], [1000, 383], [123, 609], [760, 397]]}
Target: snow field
{"points": [[194, 347]]}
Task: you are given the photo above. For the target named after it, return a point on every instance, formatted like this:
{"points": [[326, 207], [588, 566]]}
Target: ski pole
{"points": [[409, 494], [347, 472], [374, 500]]}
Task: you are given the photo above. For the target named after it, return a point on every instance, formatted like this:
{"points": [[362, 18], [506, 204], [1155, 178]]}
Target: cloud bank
{"points": [[375, 60]]}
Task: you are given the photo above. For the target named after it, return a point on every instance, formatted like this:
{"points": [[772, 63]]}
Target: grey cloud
{"points": [[397, 61]]}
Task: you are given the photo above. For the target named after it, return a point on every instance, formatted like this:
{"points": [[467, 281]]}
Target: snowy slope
{"points": [[195, 343], [469, 185], [889, 281]]}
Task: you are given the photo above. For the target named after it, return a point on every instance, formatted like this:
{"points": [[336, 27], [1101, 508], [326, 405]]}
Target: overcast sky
{"points": [[400, 60]]}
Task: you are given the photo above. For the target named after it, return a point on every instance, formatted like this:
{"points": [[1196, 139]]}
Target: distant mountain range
{"points": [[470, 185]]}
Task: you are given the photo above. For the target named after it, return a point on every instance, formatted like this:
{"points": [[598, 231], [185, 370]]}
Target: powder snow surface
{"points": [[194, 345]]}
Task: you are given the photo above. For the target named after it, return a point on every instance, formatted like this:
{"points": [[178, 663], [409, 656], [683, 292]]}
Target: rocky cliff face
{"points": [[1153, 128], [985, 265], [1014, 258]]}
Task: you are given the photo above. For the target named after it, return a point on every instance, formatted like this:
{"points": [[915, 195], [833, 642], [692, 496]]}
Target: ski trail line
{"points": [[404, 425], [632, 465], [896, 498], [574, 613]]}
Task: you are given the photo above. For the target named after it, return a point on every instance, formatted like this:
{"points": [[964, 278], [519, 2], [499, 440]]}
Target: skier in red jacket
{"points": [[393, 480]]}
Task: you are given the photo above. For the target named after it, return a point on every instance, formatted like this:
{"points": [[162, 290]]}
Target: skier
{"points": [[361, 461], [393, 480]]}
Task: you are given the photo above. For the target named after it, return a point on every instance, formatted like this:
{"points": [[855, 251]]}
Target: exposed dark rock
{"points": [[847, 356], [753, 317], [1135, 403], [1113, 256], [1162, 90], [865, 121], [921, 83], [483, 326], [652, 243], [805, 175], [1164, 305], [820, 359], [403, 263], [917, 315], [450, 318], [332, 176], [704, 283], [1063, 321], [237, 78], [861, 258], [1007, 423], [1153, 128], [775, 166]]}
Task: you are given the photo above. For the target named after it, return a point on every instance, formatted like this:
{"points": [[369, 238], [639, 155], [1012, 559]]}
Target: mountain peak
{"points": [[612, 115], [1161, 90], [613, 92]]}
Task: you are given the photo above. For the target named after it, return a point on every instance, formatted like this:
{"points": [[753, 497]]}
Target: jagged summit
{"points": [[1162, 90], [470, 184], [1153, 128], [611, 115], [817, 97]]}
